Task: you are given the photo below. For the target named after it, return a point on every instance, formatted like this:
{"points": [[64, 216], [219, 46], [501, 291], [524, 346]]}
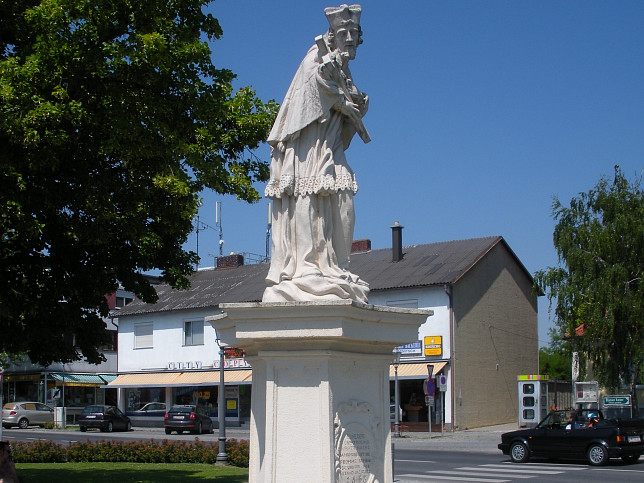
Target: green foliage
{"points": [[129, 473], [112, 120], [556, 359], [130, 452], [599, 239]]}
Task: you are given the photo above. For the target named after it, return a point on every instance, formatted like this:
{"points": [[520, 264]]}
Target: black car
{"points": [[105, 418], [187, 418], [581, 434]]}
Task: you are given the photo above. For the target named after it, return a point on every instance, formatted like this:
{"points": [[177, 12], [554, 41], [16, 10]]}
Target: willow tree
{"points": [[113, 119], [599, 238]]}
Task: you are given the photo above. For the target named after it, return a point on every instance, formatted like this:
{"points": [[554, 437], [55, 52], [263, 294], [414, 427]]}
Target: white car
{"points": [[23, 414]]}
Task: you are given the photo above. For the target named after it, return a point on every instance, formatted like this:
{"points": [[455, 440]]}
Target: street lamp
{"points": [[222, 457], [396, 395]]}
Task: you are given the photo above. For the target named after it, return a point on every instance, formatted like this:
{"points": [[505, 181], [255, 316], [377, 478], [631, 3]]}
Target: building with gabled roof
{"points": [[482, 335]]}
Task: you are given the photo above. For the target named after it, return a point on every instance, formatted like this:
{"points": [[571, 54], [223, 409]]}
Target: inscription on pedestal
{"points": [[355, 457]]}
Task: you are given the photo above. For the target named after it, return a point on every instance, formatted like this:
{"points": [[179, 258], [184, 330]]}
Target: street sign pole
{"points": [[1, 400]]}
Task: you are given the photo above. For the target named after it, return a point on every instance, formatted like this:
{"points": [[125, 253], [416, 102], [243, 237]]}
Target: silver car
{"points": [[22, 414]]}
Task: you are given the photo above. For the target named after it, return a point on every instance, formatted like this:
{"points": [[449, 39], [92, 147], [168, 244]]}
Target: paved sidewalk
{"points": [[480, 440]]}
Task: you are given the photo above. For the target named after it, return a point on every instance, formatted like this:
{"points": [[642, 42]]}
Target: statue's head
{"points": [[344, 33]]}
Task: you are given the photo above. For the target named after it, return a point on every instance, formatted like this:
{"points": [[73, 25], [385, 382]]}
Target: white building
{"points": [[482, 335]]}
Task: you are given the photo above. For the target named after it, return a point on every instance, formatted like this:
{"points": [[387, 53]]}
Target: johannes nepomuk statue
{"points": [[311, 184]]}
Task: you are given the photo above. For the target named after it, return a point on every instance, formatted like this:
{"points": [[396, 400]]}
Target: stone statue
{"points": [[311, 183]]}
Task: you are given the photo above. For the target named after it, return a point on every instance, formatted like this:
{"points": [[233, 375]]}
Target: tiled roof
{"points": [[422, 265]]}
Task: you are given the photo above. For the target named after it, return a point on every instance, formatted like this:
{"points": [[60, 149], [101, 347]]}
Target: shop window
{"points": [[143, 336], [193, 332]]}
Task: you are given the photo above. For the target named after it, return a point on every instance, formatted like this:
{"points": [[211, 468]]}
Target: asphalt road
{"points": [[464, 456]]}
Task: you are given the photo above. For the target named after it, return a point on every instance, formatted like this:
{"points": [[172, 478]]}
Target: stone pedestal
{"points": [[320, 400]]}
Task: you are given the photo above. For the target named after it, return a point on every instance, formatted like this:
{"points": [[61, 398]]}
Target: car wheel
{"points": [[519, 452], [6, 426], [630, 459], [83, 429], [110, 427], [23, 423], [197, 430], [129, 426], [597, 455], [168, 431]]}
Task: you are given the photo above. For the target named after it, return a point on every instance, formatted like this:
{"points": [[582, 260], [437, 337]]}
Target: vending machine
{"points": [[533, 399]]}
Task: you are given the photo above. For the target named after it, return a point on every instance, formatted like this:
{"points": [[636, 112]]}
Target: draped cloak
{"points": [[312, 189]]}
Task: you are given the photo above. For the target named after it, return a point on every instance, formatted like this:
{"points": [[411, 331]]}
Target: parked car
{"points": [[151, 409], [581, 434], [187, 418], [23, 414], [105, 418]]}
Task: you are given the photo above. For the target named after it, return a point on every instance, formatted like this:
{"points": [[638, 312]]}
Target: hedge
{"points": [[129, 452]]}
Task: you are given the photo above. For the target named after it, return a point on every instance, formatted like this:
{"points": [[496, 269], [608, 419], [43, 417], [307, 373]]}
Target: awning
{"points": [[415, 371], [108, 377], [71, 379], [179, 379]]}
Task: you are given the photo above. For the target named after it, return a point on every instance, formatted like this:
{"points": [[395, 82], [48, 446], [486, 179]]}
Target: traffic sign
{"points": [[429, 387], [442, 382], [617, 400]]}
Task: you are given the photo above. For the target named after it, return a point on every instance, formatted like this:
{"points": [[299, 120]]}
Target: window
{"points": [[528, 414], [193, 332], [121, 302], [143, 336], [528, 389], [403, 304]]}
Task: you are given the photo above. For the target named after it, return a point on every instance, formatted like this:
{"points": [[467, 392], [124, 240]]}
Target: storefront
{"points": [[411, 378], [186, 387], [56, 389]]}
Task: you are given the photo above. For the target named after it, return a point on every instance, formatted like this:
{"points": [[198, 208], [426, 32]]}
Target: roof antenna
{"points": [[219, 228]]}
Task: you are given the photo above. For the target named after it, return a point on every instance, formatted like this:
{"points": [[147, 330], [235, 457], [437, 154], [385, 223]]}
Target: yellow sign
{"points": [[231, 404], [434, 345], [204, 394]]}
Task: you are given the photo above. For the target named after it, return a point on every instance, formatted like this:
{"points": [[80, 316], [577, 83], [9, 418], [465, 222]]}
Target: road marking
{"points": [[451, 478], [484, 475], [547, 465], [511, 470], [417, 461]]}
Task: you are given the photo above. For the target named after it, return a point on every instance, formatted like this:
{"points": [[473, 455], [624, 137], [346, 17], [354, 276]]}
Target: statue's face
{"points": [[347, 40]]}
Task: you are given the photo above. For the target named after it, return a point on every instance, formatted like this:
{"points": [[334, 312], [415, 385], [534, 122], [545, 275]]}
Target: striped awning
{"points": [[71, 379], [416, 371], [181, 379]]}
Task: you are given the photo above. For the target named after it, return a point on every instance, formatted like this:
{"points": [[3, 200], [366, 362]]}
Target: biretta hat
{"points": [[343, 15]]}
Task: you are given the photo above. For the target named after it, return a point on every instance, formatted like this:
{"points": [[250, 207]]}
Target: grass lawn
{"points": [[128, 472]]}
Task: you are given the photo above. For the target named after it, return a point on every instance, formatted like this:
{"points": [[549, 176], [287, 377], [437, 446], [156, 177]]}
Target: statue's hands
{"points": [[350, 110]]}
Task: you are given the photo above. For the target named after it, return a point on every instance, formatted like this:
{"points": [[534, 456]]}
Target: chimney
{"points": [[363, 245], [396, 242], [233, 260]]}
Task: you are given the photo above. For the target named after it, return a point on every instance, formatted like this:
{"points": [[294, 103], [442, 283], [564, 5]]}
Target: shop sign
{"points": [[232, 364], [231, 392], [414, 348], [172, 366], [434, 345]]}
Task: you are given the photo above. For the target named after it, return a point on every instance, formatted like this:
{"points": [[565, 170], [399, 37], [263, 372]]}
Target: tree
{"points": [[113, 120], [599, 240], [555, 360]]}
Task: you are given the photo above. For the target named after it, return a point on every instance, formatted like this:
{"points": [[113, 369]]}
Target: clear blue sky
{"points": [[480, 112]]}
